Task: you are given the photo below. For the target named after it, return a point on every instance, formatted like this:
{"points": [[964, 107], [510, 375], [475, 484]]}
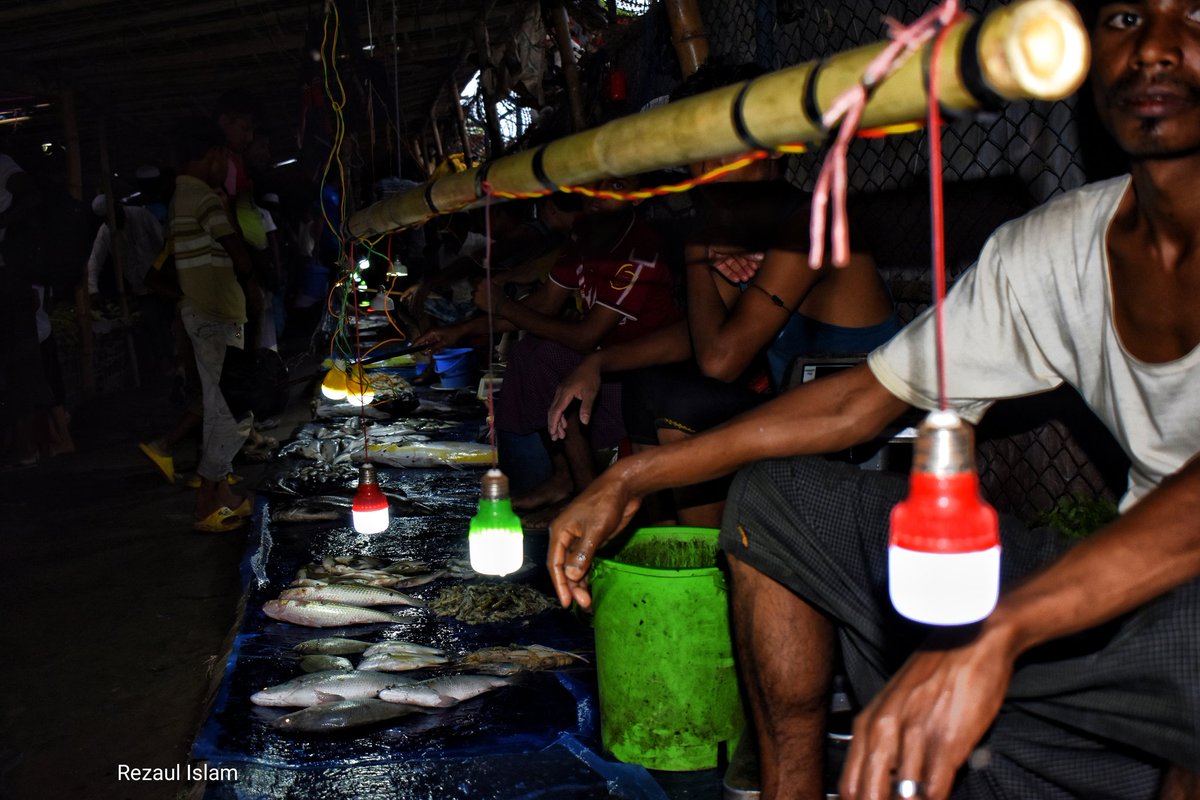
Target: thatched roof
{"points": [[142, 65]]}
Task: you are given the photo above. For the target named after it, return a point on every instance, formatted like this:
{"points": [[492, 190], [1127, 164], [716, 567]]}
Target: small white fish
{"points": [[324, 615], [306, 690], [397, 646], [352, 594], [443, 691], [331, 646], [323, 663], [341, 714], [401, 662], [424, 455]]}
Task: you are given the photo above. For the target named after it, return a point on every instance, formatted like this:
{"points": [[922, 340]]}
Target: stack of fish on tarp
{"points": [[438, 663]]}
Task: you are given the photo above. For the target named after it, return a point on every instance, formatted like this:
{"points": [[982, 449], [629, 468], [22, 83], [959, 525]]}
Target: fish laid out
{"points": [[490, 602], [423, 455], [397, 646], [325, 615], [314, 479], [341, 714], [331, 646], [307, 690], [352, 594], [443, 692], [322, 663], [516, 657], [401, 662]]}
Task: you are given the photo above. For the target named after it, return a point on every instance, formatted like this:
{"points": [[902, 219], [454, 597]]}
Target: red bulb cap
{"points": [[944, 514], [369, 498]]}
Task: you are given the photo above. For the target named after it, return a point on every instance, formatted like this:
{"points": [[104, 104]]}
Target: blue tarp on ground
{"points": [[532, 739]]}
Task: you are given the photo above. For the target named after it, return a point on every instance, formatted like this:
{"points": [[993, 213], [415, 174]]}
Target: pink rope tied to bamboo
{"points": [[846, 113]]}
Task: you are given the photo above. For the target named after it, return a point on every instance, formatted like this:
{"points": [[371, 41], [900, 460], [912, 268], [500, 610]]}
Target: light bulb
{"points": [[364, 264], [494, 537], [333, 385], [398, 270], [358, 386], [370, 508], [944, 547]]}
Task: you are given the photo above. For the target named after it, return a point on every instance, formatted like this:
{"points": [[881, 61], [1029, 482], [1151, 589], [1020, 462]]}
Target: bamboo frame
{"points": [[1032, 49], [687, 34]]}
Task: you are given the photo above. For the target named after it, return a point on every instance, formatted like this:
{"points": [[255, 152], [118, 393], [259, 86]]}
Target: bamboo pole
{"points": [[687, 34], [114, 248], [1030, 49], [566, 53], [83, 304]]}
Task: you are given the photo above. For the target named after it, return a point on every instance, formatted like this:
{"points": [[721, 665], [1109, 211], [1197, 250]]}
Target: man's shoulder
{"points": [[1088, 206]]}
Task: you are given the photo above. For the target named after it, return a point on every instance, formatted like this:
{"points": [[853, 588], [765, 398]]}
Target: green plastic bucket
{"points": [[664, 658]]}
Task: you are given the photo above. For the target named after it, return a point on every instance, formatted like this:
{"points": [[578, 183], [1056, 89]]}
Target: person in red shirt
{"points": [[621, 273]]}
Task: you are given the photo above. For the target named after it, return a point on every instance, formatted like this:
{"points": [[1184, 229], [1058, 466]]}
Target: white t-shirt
{"points": [[1035, 312]]}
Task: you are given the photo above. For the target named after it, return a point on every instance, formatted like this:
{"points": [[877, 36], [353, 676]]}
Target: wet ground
{"points": [[117, 615]]}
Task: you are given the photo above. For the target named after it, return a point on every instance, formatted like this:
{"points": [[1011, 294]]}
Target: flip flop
{"points": [[245, 508], [165, 464], [222, 520], [232, 479]]}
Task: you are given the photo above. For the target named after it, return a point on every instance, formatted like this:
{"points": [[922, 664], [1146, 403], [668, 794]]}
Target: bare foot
{"points": [[554, 490]]}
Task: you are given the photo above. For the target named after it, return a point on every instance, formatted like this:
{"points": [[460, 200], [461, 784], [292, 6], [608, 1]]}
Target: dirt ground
{"points": [[115, 613]]}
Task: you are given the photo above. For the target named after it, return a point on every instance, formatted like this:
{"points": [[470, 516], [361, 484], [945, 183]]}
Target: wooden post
{"points": [[483, 48], [461, 119], [687, 34], [437, 136], [83, 305], [115, 249], [566, 52]]}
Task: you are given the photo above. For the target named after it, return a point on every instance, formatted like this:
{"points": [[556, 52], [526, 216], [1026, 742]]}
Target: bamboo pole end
{"points": [[1035, 49]]}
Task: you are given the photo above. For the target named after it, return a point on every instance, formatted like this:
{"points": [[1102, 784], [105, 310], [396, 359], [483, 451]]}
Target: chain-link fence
{"points": [[997, 166]]}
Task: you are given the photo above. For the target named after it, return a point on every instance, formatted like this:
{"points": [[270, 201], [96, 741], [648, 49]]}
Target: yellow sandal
{"points": [[165, 464], [222, 520]]}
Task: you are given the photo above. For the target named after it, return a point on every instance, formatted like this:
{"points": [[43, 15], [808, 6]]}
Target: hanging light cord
{"points": [[491, 357], [937, 213], [358, 355], [845, 114]]}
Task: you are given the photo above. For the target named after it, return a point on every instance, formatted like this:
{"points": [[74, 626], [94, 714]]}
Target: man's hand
{"points": [[582, 384], [736, 267], [436, 339], [488, 293], [593, 518], [928, 718]]}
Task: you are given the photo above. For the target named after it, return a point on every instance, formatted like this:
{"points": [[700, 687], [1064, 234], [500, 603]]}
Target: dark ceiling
{"points": [[142, 65]]}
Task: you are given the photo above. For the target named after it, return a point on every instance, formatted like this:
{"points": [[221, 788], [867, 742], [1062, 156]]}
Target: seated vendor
{"points": [[1082, 683], [744, 331], [620, 271]]}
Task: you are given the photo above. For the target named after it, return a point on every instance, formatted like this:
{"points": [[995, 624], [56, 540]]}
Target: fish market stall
{"points": [[380, 664]]}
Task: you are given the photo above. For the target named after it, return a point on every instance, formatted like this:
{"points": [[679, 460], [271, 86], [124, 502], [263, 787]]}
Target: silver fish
{"points": [[305, 690], [331, 646], [443, 691], [324, 615], [341, 714], [397, 646], [400, 662], [433, 454], [413, 581], [322, 663], [351, 594]]}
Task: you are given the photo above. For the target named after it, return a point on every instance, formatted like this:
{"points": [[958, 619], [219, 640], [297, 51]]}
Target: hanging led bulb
{"points": [[333, 385], [363, 265], [496, 543], [398, 270], [358, 386], [944, 548], [370, 508]]}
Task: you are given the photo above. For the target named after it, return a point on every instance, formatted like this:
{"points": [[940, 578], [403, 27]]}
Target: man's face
{"points": [[217, 165], [604, 205], [1146, 75], [238, 130]]}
